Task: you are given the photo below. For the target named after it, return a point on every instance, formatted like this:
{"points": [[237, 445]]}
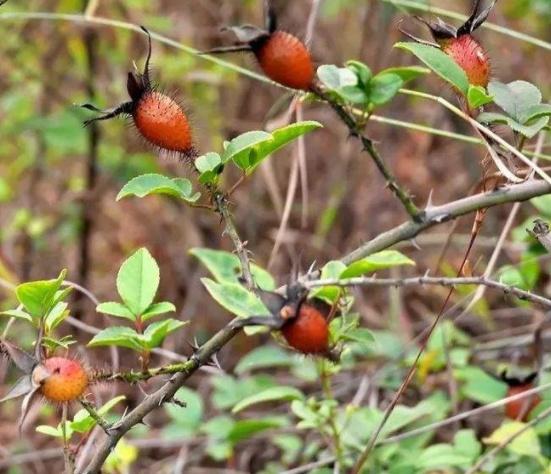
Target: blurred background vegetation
{"points": [[58, 180]]}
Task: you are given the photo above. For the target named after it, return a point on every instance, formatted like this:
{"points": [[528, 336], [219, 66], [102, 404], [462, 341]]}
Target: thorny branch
{"points": [[435, 281], [368, 147]]}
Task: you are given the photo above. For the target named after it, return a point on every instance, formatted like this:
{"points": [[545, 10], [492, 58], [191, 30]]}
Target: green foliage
{"points": [[478, 97], [226, 267], [235, 298], [148, 184], [137, 284], [185, 420], [440, 63], [356, 84], [274, 394], [522, 103]]}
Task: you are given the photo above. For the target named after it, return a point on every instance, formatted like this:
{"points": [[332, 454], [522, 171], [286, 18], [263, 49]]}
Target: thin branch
{"points": [[435, 215], [367, 144], [241, 250], [89, 407], [437, 281], [165, 393], [490, 454]]}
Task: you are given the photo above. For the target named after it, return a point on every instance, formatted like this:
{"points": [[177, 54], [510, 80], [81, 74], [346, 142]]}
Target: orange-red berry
{"points": [[161, 120], [520, 409], [471, 57], [286, 60], [66, 379], [308, 332]]}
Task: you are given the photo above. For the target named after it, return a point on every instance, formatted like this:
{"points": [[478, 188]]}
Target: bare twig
{"points": [[89, 407], [438, 281]]}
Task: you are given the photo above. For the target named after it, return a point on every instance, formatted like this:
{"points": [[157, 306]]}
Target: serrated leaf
{"points": [[155, 333], [334, 77], [528, 131], [236, 299], [147, 184], [158, 308], [274, 394], [515, 98], [112, 308], [440, 63], [225, 266], [375, 262], [383, 87], [138, 280], [38, 297], [407, 73], [118, 336], [249, 157], [477, 96]]}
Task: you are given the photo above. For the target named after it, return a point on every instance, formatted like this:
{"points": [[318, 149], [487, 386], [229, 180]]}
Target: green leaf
{"points": [[477, 96], [280, 393], [209, 165], [236, 299], [226, 267], [240, 146], [158, 308], [334, 77], [83, 421], [50, 431], [360, 335], [17, 313], [261, 146], [38, 297], [440, 456], [440, 63], [361, 70], [190, 416], [56, 316], [515, 98], [264, 357], [147, 184], [112, 308], [536, 112], [407, 73], [245, 429], [525, 444], [375, 262], [479, 386], [118, 336], [528, 131], [155, 333], [383, 87], [138, 280], [330, 270]]}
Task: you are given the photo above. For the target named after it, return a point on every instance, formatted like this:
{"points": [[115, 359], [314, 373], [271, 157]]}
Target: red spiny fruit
{"points": [[308, 331], [471, 57], [283, 57], [65, 379], [158, 117], [461, 46], [520, 409]]}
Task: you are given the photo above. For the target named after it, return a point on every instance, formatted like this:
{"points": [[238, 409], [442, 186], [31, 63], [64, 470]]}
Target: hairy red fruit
{"points": [[471, 57], [161, 120], [286, 60], [308, 332], [520, 409], [66, 380]]}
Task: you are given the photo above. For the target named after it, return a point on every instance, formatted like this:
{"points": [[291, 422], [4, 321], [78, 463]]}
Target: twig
{"points": [[222, 208], [439, 281], [368, 146], [95, 415], [490, 454], [465, 414], [166, 392], [541, 233], [435, 215]]}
